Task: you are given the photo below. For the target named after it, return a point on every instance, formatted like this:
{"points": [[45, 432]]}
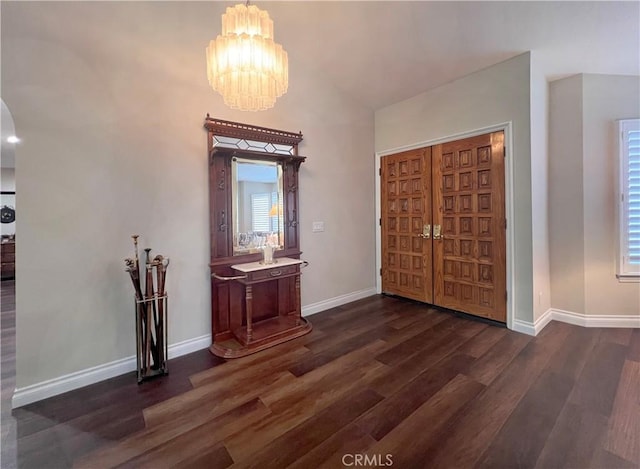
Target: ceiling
{"points": [[384, 52], [378, 53]]}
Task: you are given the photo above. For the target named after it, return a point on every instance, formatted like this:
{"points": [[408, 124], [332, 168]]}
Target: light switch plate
{"points": [[317, 226]]}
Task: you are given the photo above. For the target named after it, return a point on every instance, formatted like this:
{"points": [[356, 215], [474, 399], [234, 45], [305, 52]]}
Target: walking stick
{"points": [[140, 308], [160, 273], [142, 305], [152, 300], [161, 270]]}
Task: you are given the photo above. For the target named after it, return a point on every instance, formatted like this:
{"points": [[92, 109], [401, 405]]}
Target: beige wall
{"points": [[109, 99], [566, 214], [491, 96], [605, 99], [583, 154]]}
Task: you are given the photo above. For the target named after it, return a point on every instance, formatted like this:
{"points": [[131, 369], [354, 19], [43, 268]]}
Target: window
{"points": [[261, 218], [629, 197]]}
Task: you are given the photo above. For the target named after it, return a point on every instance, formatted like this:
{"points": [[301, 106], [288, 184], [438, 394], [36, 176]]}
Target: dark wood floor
{"points": [[381, 376]]}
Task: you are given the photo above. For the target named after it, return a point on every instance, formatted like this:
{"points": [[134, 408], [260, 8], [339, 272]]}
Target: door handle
{"points": [[426, 232], [436, 232]]}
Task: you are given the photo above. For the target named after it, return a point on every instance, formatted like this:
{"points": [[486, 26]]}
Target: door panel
{"points": [[469, 265], [406, 209]]}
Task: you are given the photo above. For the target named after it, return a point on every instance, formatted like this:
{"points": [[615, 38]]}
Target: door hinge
{"points": [[505, 223], [379, 171], [381, 272], [505, 296], [380, 221]]}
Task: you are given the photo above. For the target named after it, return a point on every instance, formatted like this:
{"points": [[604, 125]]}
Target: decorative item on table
{"points": [[151, 309], [267, 253]]}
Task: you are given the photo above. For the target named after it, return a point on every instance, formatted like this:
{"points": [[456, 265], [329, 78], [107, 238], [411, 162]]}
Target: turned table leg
{"points": [[249, 302]]}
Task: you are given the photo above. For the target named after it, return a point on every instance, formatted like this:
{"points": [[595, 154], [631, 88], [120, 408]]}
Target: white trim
{"points": [[507, 127], [595, 320], [78, 379], [524, 327], [534, 328], [543, 320], [628, 278], [577, 319], [323, 305]]}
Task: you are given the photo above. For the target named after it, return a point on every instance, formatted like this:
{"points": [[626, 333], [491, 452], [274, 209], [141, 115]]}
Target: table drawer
{"points": [[273, 272]]}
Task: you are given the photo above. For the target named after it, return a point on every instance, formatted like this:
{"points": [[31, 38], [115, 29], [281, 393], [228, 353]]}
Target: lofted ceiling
{"points": [[377, 53], [384, 52]]}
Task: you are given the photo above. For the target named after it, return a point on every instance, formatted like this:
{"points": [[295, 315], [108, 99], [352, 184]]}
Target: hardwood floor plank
{"points": [[623, 438], [35, 449], [410, 317], [406, 442], [171, 442], [574, 353], [245, 374], [413, 345], [488, 366], [537, 411], [214, 458], [573, 439], [339, 369], [603, 459], [334, 319], [319, 359], [328, 454], [392, 411], [634, 346], [301, 439], [466, 437], [354, 329], [227, 368], [309, 395], [436, 349], [616, 335], [190, 403], [598, 382], [483, 342]]}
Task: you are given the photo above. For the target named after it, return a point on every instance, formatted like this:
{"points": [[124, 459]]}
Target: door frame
{"points": [[507, 127]]}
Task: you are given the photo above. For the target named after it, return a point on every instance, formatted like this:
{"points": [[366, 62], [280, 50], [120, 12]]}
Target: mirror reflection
{"points": [[258, 212]]}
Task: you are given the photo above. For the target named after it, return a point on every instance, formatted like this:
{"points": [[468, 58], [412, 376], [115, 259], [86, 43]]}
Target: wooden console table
{"points": [[279, 320]]}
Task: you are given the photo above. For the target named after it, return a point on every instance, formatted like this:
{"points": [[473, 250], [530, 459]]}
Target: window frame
{"points": [[625, 271]]}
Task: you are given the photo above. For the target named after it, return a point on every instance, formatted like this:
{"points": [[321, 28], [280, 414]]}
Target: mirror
{"points": [[258, 205]]}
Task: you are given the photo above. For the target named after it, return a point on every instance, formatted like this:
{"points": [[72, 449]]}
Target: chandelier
{"points": [[244, 64]]}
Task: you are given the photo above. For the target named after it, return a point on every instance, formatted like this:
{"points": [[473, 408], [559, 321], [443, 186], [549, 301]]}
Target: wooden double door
{"points": [[443, 225]]}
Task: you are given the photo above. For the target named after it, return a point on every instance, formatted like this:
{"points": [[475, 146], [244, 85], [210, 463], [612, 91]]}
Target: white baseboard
{"points": [[524, 327], [577, 319], [323, 305], [532, 328], [595, 320], [78, 379]]}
